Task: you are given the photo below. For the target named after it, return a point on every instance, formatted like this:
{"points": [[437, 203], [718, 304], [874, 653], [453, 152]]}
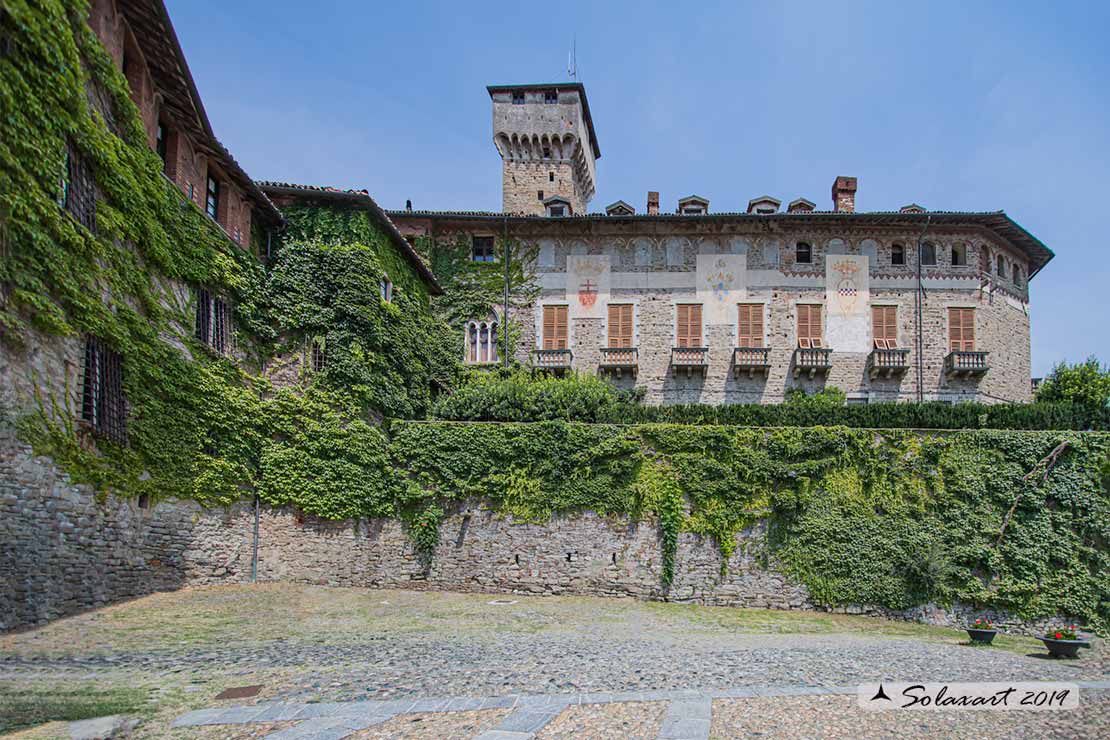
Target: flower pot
{"points": [[1063, 648], [983, 637]]}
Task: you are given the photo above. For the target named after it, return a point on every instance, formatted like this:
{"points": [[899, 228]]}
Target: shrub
{"points": [[518, 396]]}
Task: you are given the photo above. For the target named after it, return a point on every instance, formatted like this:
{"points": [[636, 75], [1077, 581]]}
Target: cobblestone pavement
{"points": [[609, 670]]}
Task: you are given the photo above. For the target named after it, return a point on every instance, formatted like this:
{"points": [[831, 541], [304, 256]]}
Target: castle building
{"points": [[700, 306]]}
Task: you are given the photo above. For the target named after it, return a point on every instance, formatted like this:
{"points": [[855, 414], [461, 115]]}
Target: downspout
{"points": [[505, 306], [918, 301]]}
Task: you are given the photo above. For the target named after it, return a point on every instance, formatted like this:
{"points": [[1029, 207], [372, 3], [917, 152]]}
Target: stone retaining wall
{"points": [[63, 551]]}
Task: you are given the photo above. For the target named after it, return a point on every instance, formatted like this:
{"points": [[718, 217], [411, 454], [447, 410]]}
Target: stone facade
{"points": [[63, 551], [652, 263], [547, 144]]}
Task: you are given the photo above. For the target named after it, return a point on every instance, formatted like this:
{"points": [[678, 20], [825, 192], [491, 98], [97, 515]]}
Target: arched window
{"points": [[803, 253], [481, 342], [897, 254], [928, 253], [387, 289], [959, 255]]}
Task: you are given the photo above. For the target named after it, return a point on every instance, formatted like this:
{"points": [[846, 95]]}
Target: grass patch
{"points": [[29, 705]]}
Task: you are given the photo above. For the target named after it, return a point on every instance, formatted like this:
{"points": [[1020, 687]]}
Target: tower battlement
{"points": [[546, 140]]}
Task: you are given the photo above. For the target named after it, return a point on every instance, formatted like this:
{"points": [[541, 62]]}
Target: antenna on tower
{"points": [[572, 60]]}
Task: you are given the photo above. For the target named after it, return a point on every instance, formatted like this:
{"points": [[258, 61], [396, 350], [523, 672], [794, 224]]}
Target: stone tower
{"points": [[546, 140]]}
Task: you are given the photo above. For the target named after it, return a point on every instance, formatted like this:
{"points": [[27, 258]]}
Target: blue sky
{"points": [[960, 106]]}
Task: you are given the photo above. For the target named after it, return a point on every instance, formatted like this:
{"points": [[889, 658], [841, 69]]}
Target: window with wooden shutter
{"points": [[961, 329], [688, 329], [750, 325], [884, 326], [809, 325], [620, 325], [554, 327]]}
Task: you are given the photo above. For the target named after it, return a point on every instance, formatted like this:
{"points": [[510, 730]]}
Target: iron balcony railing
{"points": [[885, 361], [966, 364], [551, 359], [751, 359]]}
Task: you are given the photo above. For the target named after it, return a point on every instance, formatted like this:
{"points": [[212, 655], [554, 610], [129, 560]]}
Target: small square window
{"points": [[482, 249], [551, 177], [803, 253], [518, 98]]}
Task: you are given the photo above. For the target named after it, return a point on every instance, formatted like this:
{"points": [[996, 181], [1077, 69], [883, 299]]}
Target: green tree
{"points": [[1086, 383]]}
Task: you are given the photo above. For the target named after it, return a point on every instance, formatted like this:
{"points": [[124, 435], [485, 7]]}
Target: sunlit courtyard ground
{"points": [[161, 656]]}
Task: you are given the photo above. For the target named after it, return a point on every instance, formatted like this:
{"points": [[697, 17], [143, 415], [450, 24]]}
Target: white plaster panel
{"points": [[847, 303], [643, 249], [587, 285], [546, 256], [721, 284]]}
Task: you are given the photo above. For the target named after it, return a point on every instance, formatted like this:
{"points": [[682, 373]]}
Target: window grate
{"points": [[78, 194], [319, 359], [103, 406], [213, 321]]}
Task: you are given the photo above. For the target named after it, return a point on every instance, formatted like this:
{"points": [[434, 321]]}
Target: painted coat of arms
{"points": [[588, 272], [721, 280], [847, 291]]}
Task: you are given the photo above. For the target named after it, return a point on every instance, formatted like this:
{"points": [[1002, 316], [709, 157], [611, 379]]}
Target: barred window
{"points": [[78, 189], [103, 406], [319, 359], [213, 321]]}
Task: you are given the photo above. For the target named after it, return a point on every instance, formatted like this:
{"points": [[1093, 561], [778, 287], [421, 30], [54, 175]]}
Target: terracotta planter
{"points": [[1064, 648], [983, 637]]}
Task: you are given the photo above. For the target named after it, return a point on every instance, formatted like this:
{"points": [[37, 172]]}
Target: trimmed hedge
{"points": [[519, 397]]}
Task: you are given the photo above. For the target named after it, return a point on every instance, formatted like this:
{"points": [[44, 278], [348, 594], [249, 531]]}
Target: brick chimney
{"points": [[653, 203], [844, 194]]}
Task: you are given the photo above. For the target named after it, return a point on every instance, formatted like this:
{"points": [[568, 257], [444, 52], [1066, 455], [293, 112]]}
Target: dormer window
{"points": [[693, 205], [557, 206], [801, 205], [550, 97], [764, 205], [620, 208]]}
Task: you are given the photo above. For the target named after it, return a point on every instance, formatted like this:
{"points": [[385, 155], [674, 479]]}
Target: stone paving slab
{"points": [[687, 719], [688, 716]]}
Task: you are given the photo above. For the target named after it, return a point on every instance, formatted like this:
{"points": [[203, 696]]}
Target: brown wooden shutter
{"points": [[961, 329], [554, 327], [750, 325], [620, 325], [809, 325], [689, 325], [884, 326]]}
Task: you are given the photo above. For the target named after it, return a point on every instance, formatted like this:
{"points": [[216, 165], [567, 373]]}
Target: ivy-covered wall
{"points": [[1016, 521], [199, 425]]}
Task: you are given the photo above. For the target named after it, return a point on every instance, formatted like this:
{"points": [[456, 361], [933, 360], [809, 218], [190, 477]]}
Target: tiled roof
{"points": [[359, 198], [996, 221]]}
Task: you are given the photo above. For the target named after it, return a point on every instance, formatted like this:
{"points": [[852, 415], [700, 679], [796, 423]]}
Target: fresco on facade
{"points": [[847, 303], [722, 281], [588, 281]]}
